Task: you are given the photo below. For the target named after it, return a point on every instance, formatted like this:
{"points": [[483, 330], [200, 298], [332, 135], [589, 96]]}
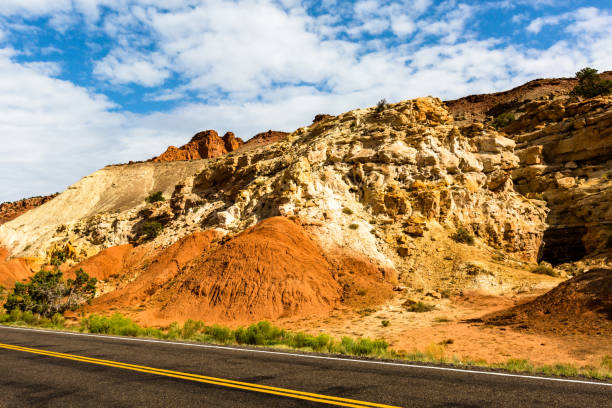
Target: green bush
{"points": [[155, 197], [151, 229], [347, 211], [420, 307], [219, 334], [503, 120], [385, 323], [590, 84], [544, 269], [353, 226], [362, 347], [381, 105], [116, 324], [462, 235], [47, 293]]}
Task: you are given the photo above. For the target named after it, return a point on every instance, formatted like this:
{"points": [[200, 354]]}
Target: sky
{"points": [[86, 83]]}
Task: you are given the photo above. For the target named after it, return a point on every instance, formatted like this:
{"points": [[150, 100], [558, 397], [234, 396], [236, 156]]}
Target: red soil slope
{"points": [[12, 270], [579, 305], [269, 271]]}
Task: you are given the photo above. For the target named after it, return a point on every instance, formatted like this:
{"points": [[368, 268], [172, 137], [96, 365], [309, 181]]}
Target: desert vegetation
{"points": [[503, 119], [544, 269], [155, 197], [151, 229], [48, 293], [463, 235], [590, 84]]}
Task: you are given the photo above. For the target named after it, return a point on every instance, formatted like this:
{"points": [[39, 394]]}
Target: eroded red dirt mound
{"points": [[269, 271], [145, 275], [12, 270], [580, 305], [110, 262], [203, 145], [10, 211]]}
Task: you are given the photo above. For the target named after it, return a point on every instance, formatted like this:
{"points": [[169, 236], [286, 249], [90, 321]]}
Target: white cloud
{"points": [[121, 67], [255, 65]]}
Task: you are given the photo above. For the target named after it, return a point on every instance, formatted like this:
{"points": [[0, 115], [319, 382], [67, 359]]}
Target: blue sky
{"points": [[85, 83]]}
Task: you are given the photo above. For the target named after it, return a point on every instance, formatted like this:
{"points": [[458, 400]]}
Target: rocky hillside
{"points": [[389, 184], [11, 210]]}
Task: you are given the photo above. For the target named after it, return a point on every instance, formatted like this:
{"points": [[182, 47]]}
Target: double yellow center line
{"points": [[283, 392]]}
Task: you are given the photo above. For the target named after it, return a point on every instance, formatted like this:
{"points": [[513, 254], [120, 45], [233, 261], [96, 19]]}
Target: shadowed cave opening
{"points": [[563, 245]]}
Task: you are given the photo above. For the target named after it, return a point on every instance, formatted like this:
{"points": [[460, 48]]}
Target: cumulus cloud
{"points": [[122, 67], [248, 66]]}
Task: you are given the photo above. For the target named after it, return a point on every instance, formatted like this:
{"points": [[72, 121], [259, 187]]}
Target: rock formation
{"points": [[381, 185], [565, 149], [203, 145]]}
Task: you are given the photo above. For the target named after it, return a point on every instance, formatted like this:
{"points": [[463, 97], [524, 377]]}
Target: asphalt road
{"points": [[46, 369]]}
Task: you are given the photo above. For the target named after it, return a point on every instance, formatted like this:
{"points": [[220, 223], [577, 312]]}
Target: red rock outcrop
{"points": [[11, 210], [203, 145], [263, 138]]}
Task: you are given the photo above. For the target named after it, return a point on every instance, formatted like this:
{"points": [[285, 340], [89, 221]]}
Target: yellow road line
{"points": [[345, 402]]}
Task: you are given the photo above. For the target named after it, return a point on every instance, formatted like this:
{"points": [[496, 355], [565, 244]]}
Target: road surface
{"points": [[54, 369]]}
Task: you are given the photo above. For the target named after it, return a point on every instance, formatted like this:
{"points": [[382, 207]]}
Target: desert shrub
{"points": [[191, 328], [381, 105], [219, 334], [353, 226], [47, 293], [544, 269], [347, 211], [260, 334], [442, 319], [503, 119], [151, 229], [362, 292], [155, 197], [385, 323], [463, 235], [590, 84], [419, 307], [300, 340], [60, 255], [116, 324], [518, 365], [362, 347]]}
